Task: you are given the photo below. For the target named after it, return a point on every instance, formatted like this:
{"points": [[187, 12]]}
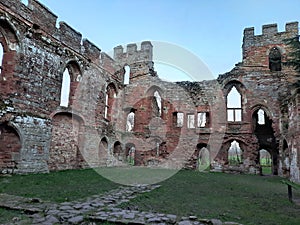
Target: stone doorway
{"points": [[263, 130], [10, 146], [203, 162], [66, 142], [265, 161]]}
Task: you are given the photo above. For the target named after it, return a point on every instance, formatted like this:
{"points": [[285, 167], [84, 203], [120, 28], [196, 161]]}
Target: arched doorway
{"points": [[103, 149], [263, 130], [117, 151], [10, 146], [203, 159], [66, 142], [265, 161], [235, 154], [130, 153]]}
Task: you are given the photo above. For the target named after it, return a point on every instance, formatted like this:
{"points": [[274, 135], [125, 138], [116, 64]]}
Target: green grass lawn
{"points": [[246, 199], [242, 198], [60, 186]]}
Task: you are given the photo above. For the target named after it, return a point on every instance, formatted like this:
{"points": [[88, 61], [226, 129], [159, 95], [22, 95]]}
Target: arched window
{"points": [[65, 89], [261, 117], [111, 94], [130, 121], [275, 59], [158, 102], [234, 105], [1, 57], [126, 74], [235, 154]]}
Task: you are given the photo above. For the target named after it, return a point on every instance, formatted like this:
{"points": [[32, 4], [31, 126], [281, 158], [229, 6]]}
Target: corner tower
{"points": [[267, 50], [139, 61]]}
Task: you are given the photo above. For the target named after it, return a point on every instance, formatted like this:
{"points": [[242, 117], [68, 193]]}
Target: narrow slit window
{"points": [[65, 89], [130, 121], [106, 106], [126, 74], [275, 60], [158, 102], [191, 121], [261, 117], [1, 57]]}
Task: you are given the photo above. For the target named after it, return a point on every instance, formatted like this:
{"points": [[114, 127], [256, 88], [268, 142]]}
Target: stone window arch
{"points": [[126, 74], [70, 78], [111, 94], [158, 102], [234, 105], [130, 120], [261, 117], [65, 89], [9, 44], [275, 59]]}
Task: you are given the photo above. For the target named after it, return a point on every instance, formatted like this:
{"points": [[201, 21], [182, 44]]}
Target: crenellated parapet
{"points": [[256, 48], [270, 34], [69, 36], [132, 54], [139, 60], [40, 19]]}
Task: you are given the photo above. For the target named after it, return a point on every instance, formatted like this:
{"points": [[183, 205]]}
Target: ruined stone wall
{"points": [[39, 133], [256, 48], [36, 53]]}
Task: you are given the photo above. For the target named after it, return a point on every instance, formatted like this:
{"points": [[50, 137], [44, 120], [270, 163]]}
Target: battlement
{"points": [[34, 12], [132, 53], [270, 34], [69, 36], [38, 15]]}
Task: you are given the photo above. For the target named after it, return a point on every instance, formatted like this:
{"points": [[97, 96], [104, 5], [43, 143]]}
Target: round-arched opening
{"points": [[265, 161], [10, 146]]}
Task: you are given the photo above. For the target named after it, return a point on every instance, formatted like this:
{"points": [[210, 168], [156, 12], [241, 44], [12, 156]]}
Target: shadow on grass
{"points": [[246, 199]]}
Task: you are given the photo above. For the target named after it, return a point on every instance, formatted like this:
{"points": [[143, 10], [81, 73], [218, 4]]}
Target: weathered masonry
{"points": [[64, 104]]}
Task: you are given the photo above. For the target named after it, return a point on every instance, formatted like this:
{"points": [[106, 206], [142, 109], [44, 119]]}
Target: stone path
{"points": [[96, 210]]}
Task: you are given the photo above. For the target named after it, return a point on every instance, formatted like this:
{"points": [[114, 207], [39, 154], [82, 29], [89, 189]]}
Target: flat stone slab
{"points": [[31, 205]]}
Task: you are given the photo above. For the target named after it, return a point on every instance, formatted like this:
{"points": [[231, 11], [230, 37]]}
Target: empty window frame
{"points": [[158, 102], [275, 59], [191, 121], [65, 89], [234, 106], [178, 119], [261, 117], [202, 119]]}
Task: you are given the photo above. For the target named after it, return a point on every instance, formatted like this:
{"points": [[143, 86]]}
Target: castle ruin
{"points": [[119, 112]]}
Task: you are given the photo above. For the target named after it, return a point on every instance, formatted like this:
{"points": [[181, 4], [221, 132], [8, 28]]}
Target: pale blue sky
{"points": [[211, 29]]}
